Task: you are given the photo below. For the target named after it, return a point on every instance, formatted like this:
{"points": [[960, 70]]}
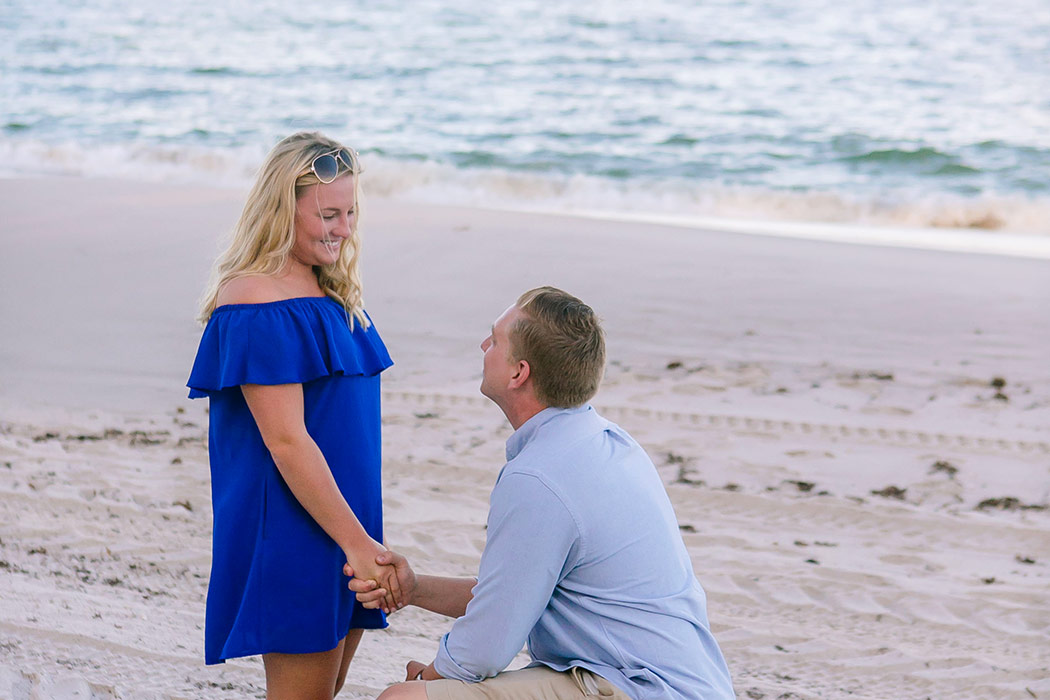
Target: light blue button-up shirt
{"points": [[585, 562]]}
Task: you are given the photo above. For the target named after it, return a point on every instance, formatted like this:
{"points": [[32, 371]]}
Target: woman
{"points": [[290, 363]]}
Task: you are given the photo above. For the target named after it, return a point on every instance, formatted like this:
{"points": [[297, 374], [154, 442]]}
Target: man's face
{"points": [[499, 368]]}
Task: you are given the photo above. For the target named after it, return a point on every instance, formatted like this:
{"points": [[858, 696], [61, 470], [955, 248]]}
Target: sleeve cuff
{"points": [[449, 668]]}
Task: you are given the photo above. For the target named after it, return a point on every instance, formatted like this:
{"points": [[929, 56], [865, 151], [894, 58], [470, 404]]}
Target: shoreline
{"points": [[975, 238], [948, 239]]}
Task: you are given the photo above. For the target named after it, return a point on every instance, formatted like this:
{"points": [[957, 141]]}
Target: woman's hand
{"points": [[368, 564], [371, 595]]}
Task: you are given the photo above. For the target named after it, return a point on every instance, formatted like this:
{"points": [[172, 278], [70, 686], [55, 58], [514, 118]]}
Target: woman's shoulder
{"points": [[258, 335], [249, 289]]}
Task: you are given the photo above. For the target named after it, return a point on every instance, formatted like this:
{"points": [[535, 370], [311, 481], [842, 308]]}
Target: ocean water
{"points": [[874, 112]]}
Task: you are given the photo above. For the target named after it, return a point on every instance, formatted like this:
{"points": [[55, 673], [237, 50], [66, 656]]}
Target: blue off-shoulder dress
{"points": [[276, 578]]}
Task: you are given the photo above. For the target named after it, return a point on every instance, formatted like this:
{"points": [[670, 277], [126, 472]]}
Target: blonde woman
{"points": [[290, 363]]}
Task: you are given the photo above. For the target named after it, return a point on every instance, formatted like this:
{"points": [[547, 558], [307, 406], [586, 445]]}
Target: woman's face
{"points": [[324, 217]]}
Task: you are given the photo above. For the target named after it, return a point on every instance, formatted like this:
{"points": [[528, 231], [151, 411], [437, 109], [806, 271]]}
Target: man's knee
{"points": [[413, 690]]}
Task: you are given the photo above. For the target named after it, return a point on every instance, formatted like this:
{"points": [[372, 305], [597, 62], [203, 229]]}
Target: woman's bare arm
{"points": [[278, 411]]}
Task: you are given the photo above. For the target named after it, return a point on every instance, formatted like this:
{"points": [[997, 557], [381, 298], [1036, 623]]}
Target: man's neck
{"points": [[521, 411]]}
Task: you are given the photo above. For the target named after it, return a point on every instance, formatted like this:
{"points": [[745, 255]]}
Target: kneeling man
{"points": [[584, 560]]}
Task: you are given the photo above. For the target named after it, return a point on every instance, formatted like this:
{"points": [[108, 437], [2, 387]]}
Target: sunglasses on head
{"points": [[326, 165]]}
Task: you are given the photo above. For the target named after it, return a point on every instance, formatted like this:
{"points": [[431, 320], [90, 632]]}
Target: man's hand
{"points": [[367, 564], [416, 671], [371, 595]]}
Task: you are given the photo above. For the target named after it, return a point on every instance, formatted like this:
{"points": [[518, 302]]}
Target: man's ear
{"points": [[521, 376]]}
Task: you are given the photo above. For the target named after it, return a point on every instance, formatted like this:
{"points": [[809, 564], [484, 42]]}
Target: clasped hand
{"points": [[388, 592], [372, 569]]}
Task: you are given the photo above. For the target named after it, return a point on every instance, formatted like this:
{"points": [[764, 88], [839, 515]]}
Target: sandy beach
{"points": [[856, 438]]}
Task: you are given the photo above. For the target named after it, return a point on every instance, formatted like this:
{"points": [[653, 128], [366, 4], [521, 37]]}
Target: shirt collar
{"points": [[527, 431]]}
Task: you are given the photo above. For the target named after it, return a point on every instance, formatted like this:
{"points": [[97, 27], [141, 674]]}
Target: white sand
{"points": [[776, 383]]}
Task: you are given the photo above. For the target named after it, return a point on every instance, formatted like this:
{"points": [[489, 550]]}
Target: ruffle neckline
{"points": [[291, 341]]}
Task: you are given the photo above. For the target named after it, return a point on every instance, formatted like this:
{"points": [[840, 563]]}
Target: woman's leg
{"points": [[304, 676], [350, 642]]}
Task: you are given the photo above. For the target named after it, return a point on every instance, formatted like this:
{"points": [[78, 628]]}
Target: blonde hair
{"points": [[265, 234], [562, 340]]}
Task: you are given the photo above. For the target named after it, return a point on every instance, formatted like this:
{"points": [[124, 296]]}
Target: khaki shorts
{"points": [[536, 683]]}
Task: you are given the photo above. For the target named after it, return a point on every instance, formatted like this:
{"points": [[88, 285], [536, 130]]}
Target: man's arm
{"points": [[444, 595], [532, 541]]}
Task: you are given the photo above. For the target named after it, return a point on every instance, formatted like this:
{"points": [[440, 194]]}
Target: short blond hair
{"points": [[265, 234], [562, 340]]}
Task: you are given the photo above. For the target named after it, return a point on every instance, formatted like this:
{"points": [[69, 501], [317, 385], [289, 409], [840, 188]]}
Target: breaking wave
{"points": [[417, 179]]}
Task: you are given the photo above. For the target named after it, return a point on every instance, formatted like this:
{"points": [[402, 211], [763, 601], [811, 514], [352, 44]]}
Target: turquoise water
{"points": [[873, 111]]}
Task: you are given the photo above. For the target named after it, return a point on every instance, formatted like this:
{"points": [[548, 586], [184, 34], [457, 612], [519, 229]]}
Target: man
{"points": [[583, 559]]}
